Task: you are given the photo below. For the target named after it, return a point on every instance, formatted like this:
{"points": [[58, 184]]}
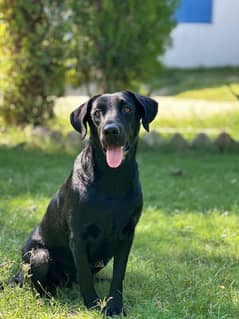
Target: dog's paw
{"points": [[93, 304], [114, 308]]}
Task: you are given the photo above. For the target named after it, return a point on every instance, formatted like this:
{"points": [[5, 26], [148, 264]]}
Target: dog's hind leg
{"points": [[38, 260], [36, 265]]}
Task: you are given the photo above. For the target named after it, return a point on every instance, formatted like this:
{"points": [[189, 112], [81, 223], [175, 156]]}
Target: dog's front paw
{"points": [[114, 307]]}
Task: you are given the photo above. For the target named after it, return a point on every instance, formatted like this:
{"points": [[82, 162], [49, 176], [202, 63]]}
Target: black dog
{"points": [[92, 217]]}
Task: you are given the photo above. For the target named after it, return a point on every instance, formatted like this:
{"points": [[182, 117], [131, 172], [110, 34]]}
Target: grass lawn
{"points": [[184, 261], [186, 116], [201, 83], [198, 100], [190, 102], [190, 117]]}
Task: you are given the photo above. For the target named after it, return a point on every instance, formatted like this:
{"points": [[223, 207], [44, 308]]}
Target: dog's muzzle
{"points": [[114, 144]]}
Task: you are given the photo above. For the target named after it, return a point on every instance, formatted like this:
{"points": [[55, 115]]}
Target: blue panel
{"points": [[194, 11]]}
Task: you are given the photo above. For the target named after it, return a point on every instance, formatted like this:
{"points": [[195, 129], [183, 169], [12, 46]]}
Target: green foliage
{"points": [[112, 44], [30, 59], [184, 261], [115, 44]]}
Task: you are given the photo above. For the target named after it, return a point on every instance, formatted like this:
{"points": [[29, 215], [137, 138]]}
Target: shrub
{"points": [[115, 44], [30, 59]]}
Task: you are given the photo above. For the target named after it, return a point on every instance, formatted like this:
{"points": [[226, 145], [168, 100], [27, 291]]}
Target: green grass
{"points": [[212, 84], [190, 124], [184, 261], [186, 122], [209, 88]]}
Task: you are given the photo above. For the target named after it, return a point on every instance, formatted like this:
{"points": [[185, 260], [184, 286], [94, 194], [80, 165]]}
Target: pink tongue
{"points": [[114, 156]]}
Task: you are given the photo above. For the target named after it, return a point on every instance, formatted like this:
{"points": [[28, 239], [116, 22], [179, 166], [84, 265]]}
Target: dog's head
{"points": [[114, 121]]}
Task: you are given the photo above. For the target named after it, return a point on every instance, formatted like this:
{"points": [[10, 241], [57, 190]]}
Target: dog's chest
{"points": [[106, 215], [102, 221], [104, 224]]}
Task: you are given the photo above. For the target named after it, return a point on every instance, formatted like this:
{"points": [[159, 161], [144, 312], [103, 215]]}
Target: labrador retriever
{"points": [[92, 217]]}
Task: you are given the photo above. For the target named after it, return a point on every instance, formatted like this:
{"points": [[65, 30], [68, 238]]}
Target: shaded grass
{"points": [[184, 262]]}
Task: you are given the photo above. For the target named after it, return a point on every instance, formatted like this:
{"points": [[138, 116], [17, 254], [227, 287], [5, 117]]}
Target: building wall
{"points": [[205, 44]]}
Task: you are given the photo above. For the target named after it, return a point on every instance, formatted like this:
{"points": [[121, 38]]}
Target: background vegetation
{"points": [[115, 42], [98, 42], [31, 59]]}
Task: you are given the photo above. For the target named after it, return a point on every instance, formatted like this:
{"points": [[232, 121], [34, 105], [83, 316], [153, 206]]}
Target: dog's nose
{"points": [[111, 129]]}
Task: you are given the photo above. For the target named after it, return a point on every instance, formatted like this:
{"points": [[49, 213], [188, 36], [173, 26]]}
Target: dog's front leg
{"points": [[115, 301], [84, 274]]}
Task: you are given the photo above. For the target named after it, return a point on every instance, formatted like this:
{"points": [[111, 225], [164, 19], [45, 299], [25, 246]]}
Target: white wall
{"points": [[215, 44]]}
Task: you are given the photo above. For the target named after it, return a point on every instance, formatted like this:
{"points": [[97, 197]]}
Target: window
{"points": [[194, 11]]}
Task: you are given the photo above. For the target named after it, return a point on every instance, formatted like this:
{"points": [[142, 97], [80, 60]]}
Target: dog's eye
{"points": [[126, 109], [97, 114]]}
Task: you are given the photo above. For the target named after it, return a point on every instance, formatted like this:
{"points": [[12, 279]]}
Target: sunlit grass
{"points": [[185, 258], [191, 124], [174, 115], [210, 91], [212, 84], [219, 93]]}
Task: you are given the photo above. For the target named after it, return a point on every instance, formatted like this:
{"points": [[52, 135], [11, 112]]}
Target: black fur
{"points": [[92, 217]]}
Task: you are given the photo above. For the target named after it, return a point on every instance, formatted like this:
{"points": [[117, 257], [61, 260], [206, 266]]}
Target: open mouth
{"points": [[115, 155]]}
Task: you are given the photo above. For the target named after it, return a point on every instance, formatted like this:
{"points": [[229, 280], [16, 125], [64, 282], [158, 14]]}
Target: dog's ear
{"points": [[80, 116], [148, 108]]}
